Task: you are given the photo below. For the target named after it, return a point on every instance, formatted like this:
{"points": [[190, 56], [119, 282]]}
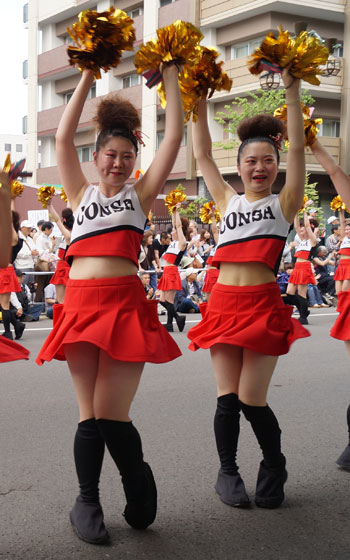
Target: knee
{"points": [[251, 398]]}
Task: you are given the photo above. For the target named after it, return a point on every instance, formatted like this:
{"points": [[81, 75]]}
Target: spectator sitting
{"points": [[21, 301], [325, 281], [145, 279], [282, 281], [314, 297], [187, 300], [50, 299]]}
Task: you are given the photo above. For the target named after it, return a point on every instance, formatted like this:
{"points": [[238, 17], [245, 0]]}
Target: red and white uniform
{"points": [[211, 274], [343, 269], [8, 280], [302, 272], [170, 279], [60, 278], [303, 249], [110, 313], [253, 317]]}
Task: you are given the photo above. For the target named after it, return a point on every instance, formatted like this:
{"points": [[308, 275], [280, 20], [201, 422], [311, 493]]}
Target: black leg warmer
{"points": [[272, 472], [303, 310], [124, 444], [229, 485], [87, 515], [344, 459], [17, 324], [6, 319]]}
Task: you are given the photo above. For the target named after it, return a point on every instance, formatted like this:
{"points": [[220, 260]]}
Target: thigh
{"points": [[115, 388], [170, 295], [257, 370], [227, 365], [83, 359], [5, 300], [291, 289], [302, 290]]}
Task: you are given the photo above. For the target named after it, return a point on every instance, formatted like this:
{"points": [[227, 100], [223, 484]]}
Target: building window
{"points": [[160, 136], [25, 69], [131, 80], [19, 148], [165, 2], [67, 96], [338, 50], [85, 153], [330, 128], [68, 40], [91, 94], [25, 13], [240, 50], [135, 12], [25, 124], [7, 147]]}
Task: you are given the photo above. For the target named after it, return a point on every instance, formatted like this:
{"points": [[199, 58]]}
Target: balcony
{"points": [[226, 159], [244, 81], [48, 120], [53, 62], [215, 14]]}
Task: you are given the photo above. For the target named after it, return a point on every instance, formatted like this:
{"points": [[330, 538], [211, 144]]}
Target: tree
{"points": [[190, 208], [312, 194], [265, 101]]}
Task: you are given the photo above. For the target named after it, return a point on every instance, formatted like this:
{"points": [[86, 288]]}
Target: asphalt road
{"points": [[174, 411]]}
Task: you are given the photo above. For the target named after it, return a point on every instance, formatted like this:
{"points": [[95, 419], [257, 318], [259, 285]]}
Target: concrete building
{"points": [[235, 27], [13, 144]]}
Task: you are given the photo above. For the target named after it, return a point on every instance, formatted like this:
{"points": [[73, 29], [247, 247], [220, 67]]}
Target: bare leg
{"points": [[60, 292]]}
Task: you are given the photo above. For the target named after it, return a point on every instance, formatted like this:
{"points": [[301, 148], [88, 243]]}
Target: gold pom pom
{"points": [[310, 125], [305, 53], [205, 213], [173, 198], [306, 200], [63, 195], [101, 37], [338, 204], [45, 194], [198, 81], [177, 42], [16, 188]]}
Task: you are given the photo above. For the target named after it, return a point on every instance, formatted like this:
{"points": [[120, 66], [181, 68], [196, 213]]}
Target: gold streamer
{"points": [[205, 213], [338, 204], [310, 125], [173, 198], [101, 38], [45, 194], [16, 187], [63, 195], [305, 53], [306, 200]]}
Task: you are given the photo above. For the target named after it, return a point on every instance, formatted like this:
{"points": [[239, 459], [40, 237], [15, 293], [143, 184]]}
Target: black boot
{"points": [[124, 444], [17, 324], [169, 324], [272, 472], [87, 515], [6, 319], [180, 319], [344, 459], [229, 484], [303, 310]]}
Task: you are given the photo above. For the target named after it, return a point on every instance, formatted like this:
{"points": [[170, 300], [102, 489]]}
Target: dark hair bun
{"points": [[115, 112], [260, 126]]}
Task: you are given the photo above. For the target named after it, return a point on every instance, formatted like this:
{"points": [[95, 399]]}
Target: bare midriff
{"points": [[245, 274], [86, 268], [302, 260]]}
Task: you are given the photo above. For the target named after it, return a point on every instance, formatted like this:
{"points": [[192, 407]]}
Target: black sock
{"points": [[167, 306], [303, 307], [267, 431], [6, 319], [124, 444], [226, 429], [89, 449], [173, 312]]}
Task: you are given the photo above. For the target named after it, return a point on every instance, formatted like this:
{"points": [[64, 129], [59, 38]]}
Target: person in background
{"points": [[145, 279], [46, 256], [188, 299], [65, 225], [22, 301], [50, 299], [26, 257], [161, 246]]}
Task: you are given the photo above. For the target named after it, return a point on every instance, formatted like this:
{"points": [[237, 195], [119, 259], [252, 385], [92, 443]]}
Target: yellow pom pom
{"points": [[45, 194], [205, 213], [101, 38], [63, 195], [306, 200], [337, 204], [16, 188], [310, 125], [175, 197]]}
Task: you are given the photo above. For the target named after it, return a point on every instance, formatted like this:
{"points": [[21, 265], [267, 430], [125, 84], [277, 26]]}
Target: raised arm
{"points": [[312, 237], [176, 220], [5, 220], [68, 163], [56, 218], [296, 223], [338, 177], [214, 227], [150, 185], [342, 223], [291, 196], [219, 189]]}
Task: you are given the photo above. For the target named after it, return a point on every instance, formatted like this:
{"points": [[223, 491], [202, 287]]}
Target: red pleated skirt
{"points": [[60, 278], [114, 315], [210, 280], [170, 279], [11, 351], [343, 270], [341, 327], [8, 280], [302, 274], [252, 317]]}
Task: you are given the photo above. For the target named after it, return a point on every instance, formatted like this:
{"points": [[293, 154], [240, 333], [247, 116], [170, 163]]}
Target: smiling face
{"points": [[258, 168], [115, 161], [347, 230]]}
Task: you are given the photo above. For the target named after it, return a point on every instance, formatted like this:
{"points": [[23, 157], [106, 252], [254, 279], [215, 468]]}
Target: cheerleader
{"points": [[65, 225], [170, 281], [9, 350], [107, 329], [302, 274], [341, 329], [246, 325], [212, 272], [342, 273]]}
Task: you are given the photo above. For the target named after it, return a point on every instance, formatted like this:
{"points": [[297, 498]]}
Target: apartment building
{"points": [[13, 144], [234, 27]]}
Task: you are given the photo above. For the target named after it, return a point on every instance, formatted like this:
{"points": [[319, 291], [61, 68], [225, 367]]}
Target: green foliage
{"points": [[265, 101], [190, 208], [312, 194]]}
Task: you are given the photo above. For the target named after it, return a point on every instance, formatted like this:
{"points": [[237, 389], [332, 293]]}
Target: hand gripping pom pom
{"points": [[338, 204], [173, 198], [310, 125], [205, 213], [45, 194]]}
